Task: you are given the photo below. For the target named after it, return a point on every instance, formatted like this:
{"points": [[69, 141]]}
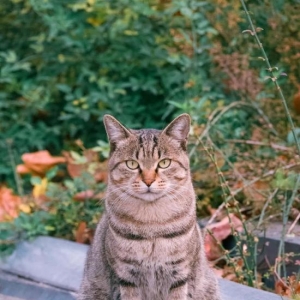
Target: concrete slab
{"points": [[273, 230], [3, 297], [234, 291], [60, 263], [14, 288], [56, 262]]}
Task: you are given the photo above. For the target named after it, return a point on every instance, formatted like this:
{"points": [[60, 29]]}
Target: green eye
{"points": [[164, 163], [132, 164]]}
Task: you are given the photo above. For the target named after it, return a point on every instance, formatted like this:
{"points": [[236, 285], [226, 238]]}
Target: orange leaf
{"points": [[282, 289], [220, 231], [88, 194], [81, 196], [288, 287], [80, 234], [74, 169], [39, 162], [22, 169], [9, 204]]}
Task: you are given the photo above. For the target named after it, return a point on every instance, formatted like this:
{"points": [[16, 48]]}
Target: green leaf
{"points": [[52, 173], [34, 180]]}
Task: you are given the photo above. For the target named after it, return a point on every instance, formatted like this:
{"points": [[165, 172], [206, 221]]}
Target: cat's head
{"points": [[148, 164]]}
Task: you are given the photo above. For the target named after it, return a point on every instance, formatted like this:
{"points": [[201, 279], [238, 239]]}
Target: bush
{"points": [[64, 65]]}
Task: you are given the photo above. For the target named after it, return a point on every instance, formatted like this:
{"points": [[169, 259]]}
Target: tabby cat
{"points": [[148, 245]]}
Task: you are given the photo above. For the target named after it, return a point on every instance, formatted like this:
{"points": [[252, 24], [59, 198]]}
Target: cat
{"points": [[147, 245]]}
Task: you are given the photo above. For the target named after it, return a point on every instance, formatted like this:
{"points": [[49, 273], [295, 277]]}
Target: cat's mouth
{"points": [[151, 190], [150, 194]]}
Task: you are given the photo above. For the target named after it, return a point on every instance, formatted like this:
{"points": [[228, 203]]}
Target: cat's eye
{"points": [[132, 164], [164, 163]]}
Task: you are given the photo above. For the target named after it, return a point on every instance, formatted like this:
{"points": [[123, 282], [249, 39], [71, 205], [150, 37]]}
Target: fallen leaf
{"points": [[220, 231], [74, 169], [82, 196], [80, 235], [39, 162], [25, 208], [9, 204], [88, 194], [255, 192], [88, 162], [40, 188], [288, 287], [281, 288], [22, 170]]}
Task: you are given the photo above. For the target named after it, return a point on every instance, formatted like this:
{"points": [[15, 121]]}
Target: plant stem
{"points": [[274, 78], [287, 204], [226, 190], [13, 164]]}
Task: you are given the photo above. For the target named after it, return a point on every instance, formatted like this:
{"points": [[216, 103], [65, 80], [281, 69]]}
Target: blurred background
{"points": [[64, 64]]}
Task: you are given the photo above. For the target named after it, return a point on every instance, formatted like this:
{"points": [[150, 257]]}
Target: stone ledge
{"points": [[60, 263], [53, 261], [15, 288]]}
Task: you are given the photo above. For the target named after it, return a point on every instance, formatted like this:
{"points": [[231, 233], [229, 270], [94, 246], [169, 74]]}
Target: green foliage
{"points": [[59, 216], [66, 213], [25, 226], [64, 65]]}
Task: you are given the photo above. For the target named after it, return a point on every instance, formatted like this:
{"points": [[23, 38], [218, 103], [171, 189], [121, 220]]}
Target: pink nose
{"points": [[148, 181]]}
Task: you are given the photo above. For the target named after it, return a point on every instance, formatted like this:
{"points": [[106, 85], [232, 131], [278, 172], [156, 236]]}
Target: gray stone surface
{"points": [[268, 248], [48, 260], [234, 291], [14, 288], [273, 230], [60, 263], [3, 297]]}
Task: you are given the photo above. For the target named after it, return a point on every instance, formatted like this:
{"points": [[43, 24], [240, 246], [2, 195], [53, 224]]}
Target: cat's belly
{"points": [[159, 268], [137, 261]]}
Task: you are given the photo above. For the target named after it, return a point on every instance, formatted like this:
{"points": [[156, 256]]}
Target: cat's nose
{"points": [[149, 181]]}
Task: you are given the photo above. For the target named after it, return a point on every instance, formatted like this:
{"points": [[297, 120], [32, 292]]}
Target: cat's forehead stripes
{"points": [[147, 144]]}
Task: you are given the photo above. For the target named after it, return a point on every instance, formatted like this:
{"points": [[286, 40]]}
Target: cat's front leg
{"points": [[179, 293], [130, 293], [92, 292]]}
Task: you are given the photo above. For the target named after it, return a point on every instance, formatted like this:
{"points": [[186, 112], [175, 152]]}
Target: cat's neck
{"points": [[168, 207]]}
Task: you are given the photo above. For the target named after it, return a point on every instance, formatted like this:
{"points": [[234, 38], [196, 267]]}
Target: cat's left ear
{"points": [[116, 132], [179, 129]]}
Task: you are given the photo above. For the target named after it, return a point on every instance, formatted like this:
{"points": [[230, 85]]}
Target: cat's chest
{"points": [[155, 258], [158, 259], [144, 255]]}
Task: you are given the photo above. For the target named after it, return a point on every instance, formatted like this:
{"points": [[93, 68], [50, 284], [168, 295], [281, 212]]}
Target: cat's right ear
{"points": [[116, 132]]}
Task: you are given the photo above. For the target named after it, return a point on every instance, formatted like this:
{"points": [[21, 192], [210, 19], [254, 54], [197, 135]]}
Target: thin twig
{"points": [[213, 119], [267, 174], [257, 143], [274, 271], [266, 119], [258, 225], [294, 224], [265, 207], [215, 214], [273, 75]]}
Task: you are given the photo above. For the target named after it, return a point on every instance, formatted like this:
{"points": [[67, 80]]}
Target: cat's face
{"points": [[148, 164]]}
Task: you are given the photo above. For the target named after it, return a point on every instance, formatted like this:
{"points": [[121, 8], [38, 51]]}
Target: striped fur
{"points": [[147, 245]]}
